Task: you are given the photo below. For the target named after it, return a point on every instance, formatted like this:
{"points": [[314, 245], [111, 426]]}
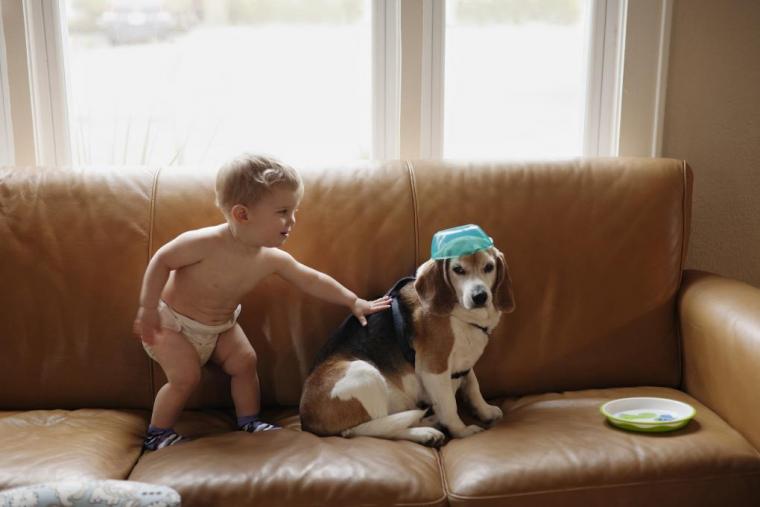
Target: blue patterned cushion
{"points": [[90, 493]]}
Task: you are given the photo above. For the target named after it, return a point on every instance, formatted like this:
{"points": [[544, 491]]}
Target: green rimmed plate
{"points": [[648, 414]]}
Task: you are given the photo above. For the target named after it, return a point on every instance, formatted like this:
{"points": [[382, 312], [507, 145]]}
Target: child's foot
{"points": [[253, 425], [160, 438]]}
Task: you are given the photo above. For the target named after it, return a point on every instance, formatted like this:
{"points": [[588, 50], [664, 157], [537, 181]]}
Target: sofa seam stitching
{"points": [[419, 504], [415, 215], [605, 486], [151, 226], [437, 501], [442, 473]]}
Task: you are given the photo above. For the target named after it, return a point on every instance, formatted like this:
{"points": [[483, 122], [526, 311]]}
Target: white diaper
{"points": [[201, 336]]}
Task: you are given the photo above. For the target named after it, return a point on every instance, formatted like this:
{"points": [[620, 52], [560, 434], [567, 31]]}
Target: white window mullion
{"points": [[7, 156], [603, 90], [647, 43], [45, 41], [661, 80], [385, 79], [432, 78]]}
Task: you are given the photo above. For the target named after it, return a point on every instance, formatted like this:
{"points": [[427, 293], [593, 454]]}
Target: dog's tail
{"points": [[385, 426]]}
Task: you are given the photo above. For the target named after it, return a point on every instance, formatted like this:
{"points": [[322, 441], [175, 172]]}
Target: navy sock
{"points": [[252, 424], [242, 421], [158, 438], [155, 430]]}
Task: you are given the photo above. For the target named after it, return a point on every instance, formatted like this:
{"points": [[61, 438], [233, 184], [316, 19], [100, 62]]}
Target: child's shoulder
{"points": [[273, 254], [211, 232], [197, 237], [275, 257]]}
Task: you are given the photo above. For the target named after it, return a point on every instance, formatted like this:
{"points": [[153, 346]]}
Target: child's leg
{"points": [[179, 360], [237, 358]]}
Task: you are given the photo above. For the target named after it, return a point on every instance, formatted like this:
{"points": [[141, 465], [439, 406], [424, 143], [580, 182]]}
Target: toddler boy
{"points": [[191, 291]]}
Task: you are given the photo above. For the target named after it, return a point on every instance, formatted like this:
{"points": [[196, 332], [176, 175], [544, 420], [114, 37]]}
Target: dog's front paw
{"points": [[466, 431], [489, 414]]}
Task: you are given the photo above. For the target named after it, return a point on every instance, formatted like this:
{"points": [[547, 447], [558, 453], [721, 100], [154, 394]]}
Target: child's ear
{"points": [[239, 213]]}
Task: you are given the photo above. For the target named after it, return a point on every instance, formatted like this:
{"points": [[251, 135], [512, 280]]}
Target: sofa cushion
{"points": [[557, 449], [51, 445], [595, 249], [74, 248], [355, 223], [290, 467]]}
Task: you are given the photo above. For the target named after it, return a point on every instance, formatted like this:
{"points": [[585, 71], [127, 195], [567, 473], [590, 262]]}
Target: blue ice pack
{"points": [[459, 241]]}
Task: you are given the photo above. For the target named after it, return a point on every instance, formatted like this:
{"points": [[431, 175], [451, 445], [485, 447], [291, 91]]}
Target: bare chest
{"points": [[221, 275]]}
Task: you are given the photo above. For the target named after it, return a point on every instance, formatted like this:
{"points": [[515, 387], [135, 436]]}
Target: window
{"points": [[161, 82], [185, 82], [524, 95]]}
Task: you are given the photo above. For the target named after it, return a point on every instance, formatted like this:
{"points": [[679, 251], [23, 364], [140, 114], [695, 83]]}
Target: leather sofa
{"points": [[605, 310]]}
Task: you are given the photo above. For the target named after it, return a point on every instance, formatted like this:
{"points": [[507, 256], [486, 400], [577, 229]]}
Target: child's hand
{"points": [[147, 324], [362, 307]]}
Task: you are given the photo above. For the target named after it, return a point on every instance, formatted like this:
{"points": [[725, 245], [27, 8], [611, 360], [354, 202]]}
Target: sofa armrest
{"points": [[720, 332]]}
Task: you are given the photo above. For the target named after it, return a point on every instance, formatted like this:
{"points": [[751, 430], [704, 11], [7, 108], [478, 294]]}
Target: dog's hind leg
{"points": [[386, 427], [430, 437], [399, 426], [364, 383]]}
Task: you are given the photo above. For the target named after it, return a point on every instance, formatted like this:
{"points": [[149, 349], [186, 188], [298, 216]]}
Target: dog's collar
{"points": [[482, 328]]}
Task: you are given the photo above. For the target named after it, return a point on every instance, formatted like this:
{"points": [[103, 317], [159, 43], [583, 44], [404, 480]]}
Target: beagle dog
{"points": [[397, 378]]}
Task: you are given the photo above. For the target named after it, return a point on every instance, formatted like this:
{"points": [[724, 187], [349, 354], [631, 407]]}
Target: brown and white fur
{"points": [[364, 382]]}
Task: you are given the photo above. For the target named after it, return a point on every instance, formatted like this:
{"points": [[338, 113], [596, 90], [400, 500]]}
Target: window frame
{"points": [[7, 151], [627, 72], [626, 78], [604, 78], [44, 22], [46, 47], [645, 72], [386, 71], [433, 77]]}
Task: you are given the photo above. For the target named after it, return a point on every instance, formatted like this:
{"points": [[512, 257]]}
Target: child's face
{"points": [[269, 221]]}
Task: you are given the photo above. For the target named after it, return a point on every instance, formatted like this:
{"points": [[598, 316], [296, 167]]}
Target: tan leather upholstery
{"points": [[596, 250], [354, 223], [293, 468], [550, 449], [367, 226], [720, 325], [47, 445], [73, 251], [555, 449]]}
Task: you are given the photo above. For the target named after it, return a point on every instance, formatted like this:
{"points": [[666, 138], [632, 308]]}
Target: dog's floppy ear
{"points": [[435, 293], [503, 296]]}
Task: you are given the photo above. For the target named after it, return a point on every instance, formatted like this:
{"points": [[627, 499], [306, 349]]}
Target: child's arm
{"points": [[184, 250], [325, 287]]}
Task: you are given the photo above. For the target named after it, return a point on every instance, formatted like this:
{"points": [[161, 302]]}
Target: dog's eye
{"points": [[488, 268], [458, 270]]}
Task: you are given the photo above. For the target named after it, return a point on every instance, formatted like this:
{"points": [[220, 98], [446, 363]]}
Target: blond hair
{"points": [[248, 177]]}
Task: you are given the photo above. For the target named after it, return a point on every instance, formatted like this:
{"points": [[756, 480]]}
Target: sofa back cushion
{"points": [[354, 223], [595, 249], [73, 247]]}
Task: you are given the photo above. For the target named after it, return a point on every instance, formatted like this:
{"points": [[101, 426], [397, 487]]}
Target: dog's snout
{"points": [[479, 296]]}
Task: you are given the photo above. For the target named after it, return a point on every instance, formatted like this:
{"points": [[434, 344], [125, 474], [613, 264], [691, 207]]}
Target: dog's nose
{"points": [[479, 296]]}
